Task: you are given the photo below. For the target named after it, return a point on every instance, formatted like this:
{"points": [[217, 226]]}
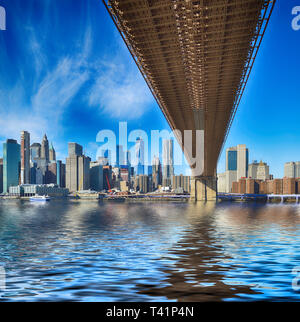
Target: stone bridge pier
{"points": [[204, 188]]}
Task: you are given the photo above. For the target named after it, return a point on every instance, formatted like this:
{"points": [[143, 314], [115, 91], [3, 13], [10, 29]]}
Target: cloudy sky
{"points": [[66, 72]]}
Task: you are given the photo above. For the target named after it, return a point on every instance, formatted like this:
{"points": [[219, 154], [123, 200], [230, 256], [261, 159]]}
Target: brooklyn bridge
{"points": [[196, 57]]}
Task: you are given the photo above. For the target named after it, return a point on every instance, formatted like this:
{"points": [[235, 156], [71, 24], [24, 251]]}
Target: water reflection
{"points": [[236, 252], [91, 251]]}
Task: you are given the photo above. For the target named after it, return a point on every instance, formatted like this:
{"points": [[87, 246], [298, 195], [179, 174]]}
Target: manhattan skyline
{"points": [[54, 82]]}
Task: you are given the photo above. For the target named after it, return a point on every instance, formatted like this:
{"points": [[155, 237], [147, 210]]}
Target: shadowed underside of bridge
{"points": [[196, 57]]}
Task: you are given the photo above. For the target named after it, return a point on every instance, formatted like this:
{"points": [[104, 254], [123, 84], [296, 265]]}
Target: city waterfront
{"points": [[107, 251]]}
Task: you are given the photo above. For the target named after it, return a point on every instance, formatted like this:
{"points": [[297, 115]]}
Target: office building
{"points": [[74, 149], [252, 186], [139, 152], [77, 169], [252, 169], [45, 149], [237, 159], [61, 174], [289, 169], [103, 161], [41, 166], [52, 153], [125, 174], [259, 171], [96, 176], [292, 169], [107, 177], [11, 164], [277, 188], [156, 173], [105, 157], [83, 172], [124, 186], [297, 169], [141, 183], [221, 183], [51, 173], [289, 186], [119, 156], [29, 190], [167, 162], [128, 159], [35, 151], [263, 171], [181, 183], [25, 157]]}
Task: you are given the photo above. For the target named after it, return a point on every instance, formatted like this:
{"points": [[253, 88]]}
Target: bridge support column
{"points": [[204, 189]]}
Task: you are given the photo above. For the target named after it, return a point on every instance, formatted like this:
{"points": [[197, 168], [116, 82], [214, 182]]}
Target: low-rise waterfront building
{"points": [[29, 190], [289, 186]]}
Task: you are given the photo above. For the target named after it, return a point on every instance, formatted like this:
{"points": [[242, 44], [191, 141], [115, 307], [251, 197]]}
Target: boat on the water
{"points": [[40, 198]]}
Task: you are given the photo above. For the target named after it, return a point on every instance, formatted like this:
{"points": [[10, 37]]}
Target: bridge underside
{"points": [[196, 57]]}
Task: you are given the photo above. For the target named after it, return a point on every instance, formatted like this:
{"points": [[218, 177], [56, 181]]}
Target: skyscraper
{"points": [[242, 161], [167, 162], [96, 176], [52, 154], [51, 174], [61, 174], [128, 159], [77, 169], [289, 169], [45, 149], [11, 164], [139, 151], [35, 151], [237, 159], [25, 157], [119, 156], [156, 172], [258, 171], [74, 149]]}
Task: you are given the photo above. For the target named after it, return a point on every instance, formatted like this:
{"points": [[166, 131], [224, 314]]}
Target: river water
{"points": [[109, 251]]}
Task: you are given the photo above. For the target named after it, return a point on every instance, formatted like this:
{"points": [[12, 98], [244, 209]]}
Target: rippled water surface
{"points": [[90, 251]]}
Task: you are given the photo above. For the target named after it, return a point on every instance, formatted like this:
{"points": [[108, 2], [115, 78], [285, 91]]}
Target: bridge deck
{"points": [[196, 57]]}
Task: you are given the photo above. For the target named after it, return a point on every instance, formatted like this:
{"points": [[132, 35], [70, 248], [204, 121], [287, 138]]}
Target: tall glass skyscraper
{"points": [[232, 160], [35, 151], [119, 156], [237, 160], [140, 162], [11, 164], [167, 160]]}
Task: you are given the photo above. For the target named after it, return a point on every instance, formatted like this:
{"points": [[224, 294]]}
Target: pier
{"points": [[268, 198]]}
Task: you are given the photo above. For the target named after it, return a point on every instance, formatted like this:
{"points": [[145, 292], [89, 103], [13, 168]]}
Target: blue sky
{"points": [[66, 72]]}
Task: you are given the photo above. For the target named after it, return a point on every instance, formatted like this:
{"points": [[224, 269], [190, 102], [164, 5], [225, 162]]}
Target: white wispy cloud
{"points": [[119, 90], [58, 88], [48, 83], [41, 110]]}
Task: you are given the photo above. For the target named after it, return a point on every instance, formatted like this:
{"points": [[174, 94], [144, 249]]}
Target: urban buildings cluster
{"points": [[255, 178], [30, 169]]}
